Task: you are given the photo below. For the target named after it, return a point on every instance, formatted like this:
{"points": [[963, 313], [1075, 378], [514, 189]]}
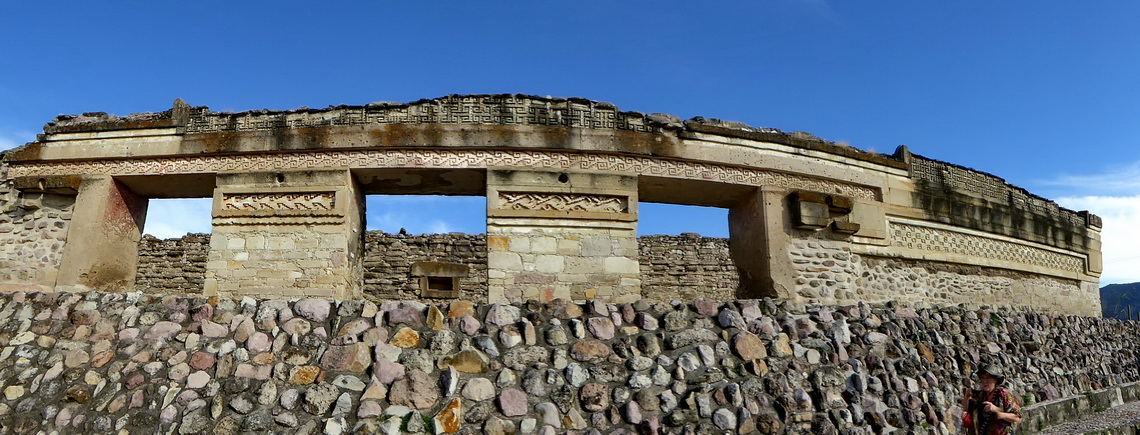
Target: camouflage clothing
{"points": [[979, 422]]}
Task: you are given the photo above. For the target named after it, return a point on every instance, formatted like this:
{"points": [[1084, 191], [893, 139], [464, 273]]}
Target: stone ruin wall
{"points": [[681, 267], [106, 362], [33, 231], [813, 221]]}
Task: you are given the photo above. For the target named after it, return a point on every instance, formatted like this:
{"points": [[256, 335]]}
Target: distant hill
{"points": [[1115, 299]]}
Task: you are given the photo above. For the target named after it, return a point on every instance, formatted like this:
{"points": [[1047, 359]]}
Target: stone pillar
{"points": [[759, 239], [292, 234], [570, 235], [102, 241]]}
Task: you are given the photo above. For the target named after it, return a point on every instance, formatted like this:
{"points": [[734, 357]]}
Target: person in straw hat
{"points": [[990, 409]]}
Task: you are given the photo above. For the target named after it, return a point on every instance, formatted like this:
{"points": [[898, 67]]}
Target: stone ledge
{"points": [[1040, 416]]}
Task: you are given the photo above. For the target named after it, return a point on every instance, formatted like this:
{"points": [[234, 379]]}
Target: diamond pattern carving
{"points": [[953, 242], [563, 202]]}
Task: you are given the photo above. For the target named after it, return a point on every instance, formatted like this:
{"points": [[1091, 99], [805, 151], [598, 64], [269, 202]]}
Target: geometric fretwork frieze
{"points": [[563, 202], [924, 238], [458, 109], [301, 202], [446, 159]]}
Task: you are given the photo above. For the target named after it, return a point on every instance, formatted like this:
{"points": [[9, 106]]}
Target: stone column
{"points": [[102, 241], [292, 234], [570, 235], [759, 238]]}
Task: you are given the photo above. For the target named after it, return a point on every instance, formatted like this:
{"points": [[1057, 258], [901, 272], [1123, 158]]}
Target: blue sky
{"points": [[1041, 93]]}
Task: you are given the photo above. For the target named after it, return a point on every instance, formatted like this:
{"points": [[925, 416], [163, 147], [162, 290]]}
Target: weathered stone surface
{"points": [[522, 357], [353, 358], [313, 309], [594, 397], [406, 338], [590, 351], [467, 361], [415, 390], [749, 346], [448, 419], [512, 402]]}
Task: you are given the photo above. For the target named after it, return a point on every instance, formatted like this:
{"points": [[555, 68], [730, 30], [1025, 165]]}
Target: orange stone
{"points": [[406, 338], [435, 318], [102, 358], [448, 418], [498, 243], [460, 309], [264, 358], [304, 375]]}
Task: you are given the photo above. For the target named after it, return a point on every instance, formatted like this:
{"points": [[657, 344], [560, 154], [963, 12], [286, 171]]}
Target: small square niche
{"points": [[439, 279]]}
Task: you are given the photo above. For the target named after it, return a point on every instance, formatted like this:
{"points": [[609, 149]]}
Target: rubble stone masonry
{"points": [[113, 362]]}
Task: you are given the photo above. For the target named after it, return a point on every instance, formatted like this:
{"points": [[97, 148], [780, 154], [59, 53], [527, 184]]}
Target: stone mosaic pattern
{"points": [[454, 109], [989, 187], [105, 363], [304, 202], [33, 232], [449, 159], [953, 242], [563, 202]]}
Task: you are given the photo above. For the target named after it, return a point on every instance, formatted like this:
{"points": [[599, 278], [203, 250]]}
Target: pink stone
{"points": [[252, 371], [117, 403], [202, 360], [214, 330], [243, 329], [162, 330], [63, 418], [258, 342], [296, 326], [197, 379], [137, 399], [129, 334], [706, 306], [513, 402], [601, 327], [313, 309], [369, 409], [168, 414], [202, 312], [469, 325], [134, 381], [387, 372]]}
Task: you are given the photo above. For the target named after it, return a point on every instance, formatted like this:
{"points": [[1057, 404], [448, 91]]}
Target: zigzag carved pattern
{"points": [[447, 159], [279, 201], [562, 202]]}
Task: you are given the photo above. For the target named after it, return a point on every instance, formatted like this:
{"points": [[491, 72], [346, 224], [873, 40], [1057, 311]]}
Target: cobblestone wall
{"points": [[828, 272], [33, 231], [105, 363]]}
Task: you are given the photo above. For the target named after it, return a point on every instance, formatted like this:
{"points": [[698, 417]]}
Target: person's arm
{"points": [[1000, 415]]}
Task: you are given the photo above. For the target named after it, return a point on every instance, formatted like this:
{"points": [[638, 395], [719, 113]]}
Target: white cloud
{"points": [[168, 218], [1120, 236], [1120, 181], [12, 139]]}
